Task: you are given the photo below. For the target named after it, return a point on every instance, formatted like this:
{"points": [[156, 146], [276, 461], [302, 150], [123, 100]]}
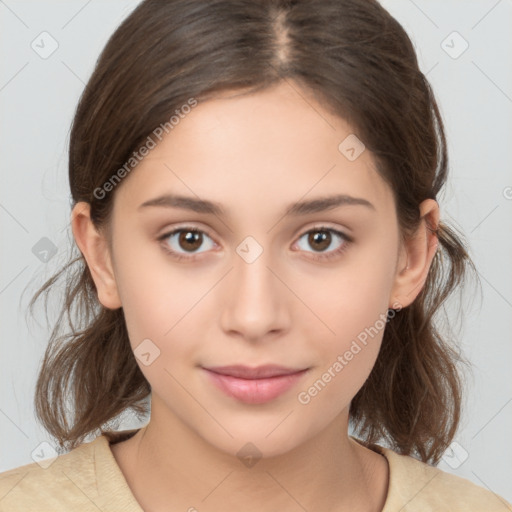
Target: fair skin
{"points": [[255, 155]]}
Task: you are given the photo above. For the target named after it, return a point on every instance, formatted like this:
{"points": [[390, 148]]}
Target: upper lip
{"points": [[258, 372]]}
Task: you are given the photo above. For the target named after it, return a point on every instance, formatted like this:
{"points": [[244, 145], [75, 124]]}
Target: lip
{"points": [[254, 385], [257, 372]]}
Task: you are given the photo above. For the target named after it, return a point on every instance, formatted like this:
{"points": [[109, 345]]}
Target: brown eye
{"points": [[185, 240], [321, 238]]}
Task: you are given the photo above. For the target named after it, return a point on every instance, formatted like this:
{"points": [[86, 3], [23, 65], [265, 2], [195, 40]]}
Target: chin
{"points": [[261, 440]]}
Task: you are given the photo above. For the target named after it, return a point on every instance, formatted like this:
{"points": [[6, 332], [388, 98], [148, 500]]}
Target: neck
{"points": [[167, 465]]}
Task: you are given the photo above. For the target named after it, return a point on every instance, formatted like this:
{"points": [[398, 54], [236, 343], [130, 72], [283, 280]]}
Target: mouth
{"points": [[254, 385]]}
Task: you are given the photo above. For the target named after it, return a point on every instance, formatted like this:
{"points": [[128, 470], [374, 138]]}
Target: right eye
{"points": [[189, 240]]}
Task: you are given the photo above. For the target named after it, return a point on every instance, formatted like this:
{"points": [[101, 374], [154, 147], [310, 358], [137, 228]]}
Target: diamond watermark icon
{"points": [[146, 352], [44, 454], [44, 45], [455, 455], [454, 45], [249, 249], [44, 249], [351, 147], [249, 455]]}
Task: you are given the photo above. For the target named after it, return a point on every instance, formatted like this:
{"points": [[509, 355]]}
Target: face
{"points": [[252, 284]]}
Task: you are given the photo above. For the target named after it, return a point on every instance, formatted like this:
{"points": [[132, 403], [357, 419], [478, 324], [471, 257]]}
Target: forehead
{"points": [[266, 148]]}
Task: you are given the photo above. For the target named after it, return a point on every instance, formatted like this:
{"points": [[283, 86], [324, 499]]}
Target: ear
{"points": [[416, 256], [95, 249]]}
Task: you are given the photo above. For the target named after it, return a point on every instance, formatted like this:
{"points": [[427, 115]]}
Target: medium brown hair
{"points": [[360, 64]]}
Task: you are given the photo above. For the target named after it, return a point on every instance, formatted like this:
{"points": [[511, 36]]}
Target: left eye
{"points": [[321, 238]]}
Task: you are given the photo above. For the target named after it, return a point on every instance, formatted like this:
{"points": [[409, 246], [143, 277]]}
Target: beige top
{"points": [[88, 479]]}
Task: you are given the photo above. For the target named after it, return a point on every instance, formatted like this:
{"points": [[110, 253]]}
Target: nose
{"points": [[255, 300]]}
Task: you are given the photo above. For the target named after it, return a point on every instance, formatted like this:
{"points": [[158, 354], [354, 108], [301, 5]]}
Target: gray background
{"points": [[474, 89]]}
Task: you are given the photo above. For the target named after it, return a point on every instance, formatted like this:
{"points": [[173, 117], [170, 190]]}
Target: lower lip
{"points": [[255, 391]]}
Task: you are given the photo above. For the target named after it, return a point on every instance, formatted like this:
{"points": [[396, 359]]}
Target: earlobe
{"points": [[418, 252], [94, 248]]}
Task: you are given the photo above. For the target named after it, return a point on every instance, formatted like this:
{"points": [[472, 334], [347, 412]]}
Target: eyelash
{"points": [[318, 257]]}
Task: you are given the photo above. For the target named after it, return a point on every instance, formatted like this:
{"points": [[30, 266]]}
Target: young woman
{"points": [[261, 254]]}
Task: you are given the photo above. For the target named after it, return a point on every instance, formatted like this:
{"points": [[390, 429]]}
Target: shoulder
{"points": [[84, 479], [415, 486], [28, 486]]}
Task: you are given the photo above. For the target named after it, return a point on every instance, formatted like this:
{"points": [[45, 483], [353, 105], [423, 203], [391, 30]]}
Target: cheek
{"points": [[344, 358], [351, 309], [347, 301], [168, 312]]}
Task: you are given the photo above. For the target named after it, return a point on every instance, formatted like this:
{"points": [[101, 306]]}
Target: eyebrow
{"points": [[300, 208]]}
